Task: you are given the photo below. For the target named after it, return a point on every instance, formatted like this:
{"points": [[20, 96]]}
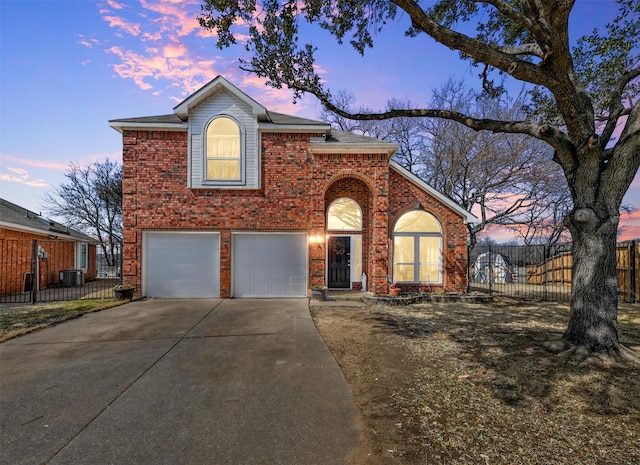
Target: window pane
{"points": [[429, 249], [403, 249], [223, 147], [358, 257], [344, 215], [403, 273], [223, 169], [417, 221], [223, 150], [430, 273]]}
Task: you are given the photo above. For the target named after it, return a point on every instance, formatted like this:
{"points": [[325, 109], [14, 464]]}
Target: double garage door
{"points": [[188, 265]]}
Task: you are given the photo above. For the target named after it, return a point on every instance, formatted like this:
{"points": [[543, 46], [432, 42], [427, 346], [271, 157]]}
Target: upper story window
{"points": [[344, 214], [223, 161]]}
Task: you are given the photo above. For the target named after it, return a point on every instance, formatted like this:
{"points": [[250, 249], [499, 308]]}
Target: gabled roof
{"points": [[13, 216], [212, 87], [468, 217], [268, 120]]}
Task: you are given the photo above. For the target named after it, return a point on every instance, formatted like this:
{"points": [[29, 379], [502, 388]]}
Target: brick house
{"points": [[62, 254], [224, 198]]}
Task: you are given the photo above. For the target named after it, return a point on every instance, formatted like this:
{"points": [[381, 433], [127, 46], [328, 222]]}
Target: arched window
{"points": [[223, 149], [417, 248], [344, 214]]}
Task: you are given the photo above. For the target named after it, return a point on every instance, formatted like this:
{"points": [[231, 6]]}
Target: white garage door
{"points": [[269, 265], [184, 265]]}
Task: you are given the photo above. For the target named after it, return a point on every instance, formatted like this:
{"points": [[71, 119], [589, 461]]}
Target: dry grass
{"points": [[471, 384], [15, 321]]}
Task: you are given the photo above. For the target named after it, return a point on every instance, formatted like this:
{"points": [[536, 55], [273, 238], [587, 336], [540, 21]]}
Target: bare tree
{"points": [[508, 180], [91, 201]]}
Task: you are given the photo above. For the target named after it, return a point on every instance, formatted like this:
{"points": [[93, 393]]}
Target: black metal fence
{"points": [[50, 270], [542, 272]]}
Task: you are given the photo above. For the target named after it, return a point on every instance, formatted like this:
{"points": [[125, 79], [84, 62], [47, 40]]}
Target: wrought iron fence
{"points": [[542, 272], [49, 270]]}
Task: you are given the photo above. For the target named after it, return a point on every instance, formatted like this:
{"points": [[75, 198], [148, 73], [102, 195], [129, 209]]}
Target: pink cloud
{"points": [[21, 176], [88, 42], [279, 100], [115, 5], [53, 165], [174, 50], [163, 57], [172, 55], [125, 26], [175, 16], [167, 63]]}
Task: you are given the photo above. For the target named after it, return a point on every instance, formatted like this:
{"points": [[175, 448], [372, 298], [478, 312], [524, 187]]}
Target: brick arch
{"points": [[347, 174], [353, 188]]}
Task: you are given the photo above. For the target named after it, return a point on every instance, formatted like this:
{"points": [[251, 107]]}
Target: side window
{"points": [[223, 148], [417, 248], [83, 256]]}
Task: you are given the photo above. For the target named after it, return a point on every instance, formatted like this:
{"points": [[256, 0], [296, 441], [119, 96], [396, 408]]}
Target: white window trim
{"points": [[79, 264]]}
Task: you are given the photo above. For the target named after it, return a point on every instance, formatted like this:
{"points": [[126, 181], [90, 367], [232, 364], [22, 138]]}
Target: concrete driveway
{"points": [[177, 382]]}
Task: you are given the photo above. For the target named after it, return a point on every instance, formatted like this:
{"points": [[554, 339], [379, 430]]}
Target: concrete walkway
{"points": [[177, 382]]}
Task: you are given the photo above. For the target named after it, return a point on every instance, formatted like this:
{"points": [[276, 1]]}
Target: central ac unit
{"points": [[71, 278]]}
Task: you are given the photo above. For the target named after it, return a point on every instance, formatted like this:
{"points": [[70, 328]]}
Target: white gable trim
{"points": [[206, 91], [468, 217]]}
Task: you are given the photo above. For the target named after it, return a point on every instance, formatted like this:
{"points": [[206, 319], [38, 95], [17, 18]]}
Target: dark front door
{"points": [[339, 262]]}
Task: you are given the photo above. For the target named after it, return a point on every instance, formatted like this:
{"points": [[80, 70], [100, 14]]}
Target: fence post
{"points": [[490, 271], [632, 271], [35, 273], [468, 268], [546, 251], [121, 264]]}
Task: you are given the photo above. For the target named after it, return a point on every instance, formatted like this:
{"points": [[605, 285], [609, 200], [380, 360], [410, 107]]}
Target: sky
{"points": [[67, 67]]}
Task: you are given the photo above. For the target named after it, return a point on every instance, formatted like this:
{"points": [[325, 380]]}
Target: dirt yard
{"points": [[472, 384]]}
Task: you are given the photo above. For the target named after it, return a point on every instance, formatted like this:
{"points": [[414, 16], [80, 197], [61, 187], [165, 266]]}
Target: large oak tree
{"points": [[580, 96]]}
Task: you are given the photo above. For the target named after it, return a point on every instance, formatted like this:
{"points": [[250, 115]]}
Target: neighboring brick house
{"points": [[224, 198], [61, 252]]}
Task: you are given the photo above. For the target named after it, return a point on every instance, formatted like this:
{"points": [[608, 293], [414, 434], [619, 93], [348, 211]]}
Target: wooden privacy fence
{"points": [[557, 270]]}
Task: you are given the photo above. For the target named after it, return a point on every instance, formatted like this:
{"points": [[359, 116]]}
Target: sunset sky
{"points": [[67, 67]]}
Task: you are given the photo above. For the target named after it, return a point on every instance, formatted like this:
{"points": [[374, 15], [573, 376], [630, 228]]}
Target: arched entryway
{"points": [[347, 231]]}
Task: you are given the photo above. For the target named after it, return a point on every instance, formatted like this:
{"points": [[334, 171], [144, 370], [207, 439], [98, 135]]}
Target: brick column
{"points": [[379, 253]]}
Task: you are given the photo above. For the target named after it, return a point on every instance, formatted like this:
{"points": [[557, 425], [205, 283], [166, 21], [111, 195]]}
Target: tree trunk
{"points": [[594, 295]]}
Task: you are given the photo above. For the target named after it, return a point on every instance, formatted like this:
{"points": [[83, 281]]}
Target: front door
{"points": [[339, 262]]}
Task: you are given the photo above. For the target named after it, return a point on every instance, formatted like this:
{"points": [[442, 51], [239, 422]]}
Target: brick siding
{"points": [[297, 188], [15, 260]]}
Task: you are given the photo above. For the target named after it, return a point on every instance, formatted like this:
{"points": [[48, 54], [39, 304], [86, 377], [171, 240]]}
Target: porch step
{"points": [[345, 295]]}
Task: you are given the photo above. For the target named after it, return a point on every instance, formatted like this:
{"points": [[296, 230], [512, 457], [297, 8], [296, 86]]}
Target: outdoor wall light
{"points": [[316, 239]]}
